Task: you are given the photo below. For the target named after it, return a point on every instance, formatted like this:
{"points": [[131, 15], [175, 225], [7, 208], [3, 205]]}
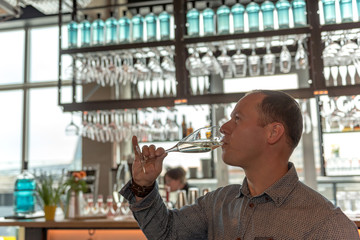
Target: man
{"points": [[264, 129]]}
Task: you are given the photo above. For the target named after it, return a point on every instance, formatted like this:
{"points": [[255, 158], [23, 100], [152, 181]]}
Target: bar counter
{"points": [[105, 228]]}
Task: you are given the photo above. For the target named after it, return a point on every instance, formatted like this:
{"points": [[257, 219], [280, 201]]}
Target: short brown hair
{"points": [[177, 173], [280, 107]]}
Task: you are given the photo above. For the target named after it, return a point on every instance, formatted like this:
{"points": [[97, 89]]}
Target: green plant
{"points": [[48, 191]]}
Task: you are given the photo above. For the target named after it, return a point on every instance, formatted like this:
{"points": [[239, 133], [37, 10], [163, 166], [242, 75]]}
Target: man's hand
{"points": [[148, 163]]}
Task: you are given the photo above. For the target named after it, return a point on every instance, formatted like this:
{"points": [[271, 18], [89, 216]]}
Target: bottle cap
{"points": [[124, 13]]}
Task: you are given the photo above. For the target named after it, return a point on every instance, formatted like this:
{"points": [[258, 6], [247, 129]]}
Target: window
{"points": [[12, 60]]}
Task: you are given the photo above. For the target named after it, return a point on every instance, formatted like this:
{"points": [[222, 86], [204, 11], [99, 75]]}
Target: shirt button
{"points": [[251, 205]]}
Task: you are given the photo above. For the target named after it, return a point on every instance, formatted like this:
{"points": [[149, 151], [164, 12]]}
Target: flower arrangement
{"points": [[76, 181], [48, 191]]}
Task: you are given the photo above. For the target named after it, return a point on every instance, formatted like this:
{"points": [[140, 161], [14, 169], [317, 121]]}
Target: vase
{"points": [[49, 212], [74, 206]]}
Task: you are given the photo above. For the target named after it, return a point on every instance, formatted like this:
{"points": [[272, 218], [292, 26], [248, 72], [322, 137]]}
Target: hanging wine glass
{"points": [[285, 59], [225, 63], [72, 129], [254, 63], [194, 64], [301, 57], [269, 61], [210, 62], [240, 62]]}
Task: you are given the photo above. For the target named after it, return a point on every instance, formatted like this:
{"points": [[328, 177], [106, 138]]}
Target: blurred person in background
{"points": [[175, 179]]}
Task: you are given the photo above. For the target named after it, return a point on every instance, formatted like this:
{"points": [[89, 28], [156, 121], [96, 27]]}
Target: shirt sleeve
{"points": [[336, 227], [158, 222]]}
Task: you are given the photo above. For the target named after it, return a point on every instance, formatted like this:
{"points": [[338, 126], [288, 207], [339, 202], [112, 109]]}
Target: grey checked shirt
{"points": [[286, 210]]}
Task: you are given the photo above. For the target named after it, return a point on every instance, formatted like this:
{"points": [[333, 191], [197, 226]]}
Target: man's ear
{"points": [[275, 132]]}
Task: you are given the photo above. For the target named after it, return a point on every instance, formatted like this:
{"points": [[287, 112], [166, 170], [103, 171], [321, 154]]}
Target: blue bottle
{"points": [[85, 30], [150, 20], [208, 20], [223, 19], [72, 33], [358, 7], [299, 13], [252, 10], [346, 11], [137, 27], [124, 29], [24, 193], [267, 9], [164, 20], [329, 11], [98, 31], [237, 12], [282, 7], [192, 19], [111, 25]]}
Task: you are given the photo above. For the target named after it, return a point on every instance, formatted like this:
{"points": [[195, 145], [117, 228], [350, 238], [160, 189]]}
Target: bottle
{"points": [[150, 20], [183, 127], [124, 28], [164, 19], [137, 27], [346, 11], [72, 33], [329, 11], [24, 193], [208, 20], [97, 29], [252, 10], [282, 7], [223, 13], [85, 30], [358, 7], [267, 9], [192, 19], [189, 130], [299, 13], [237, 12], [111, 25]]}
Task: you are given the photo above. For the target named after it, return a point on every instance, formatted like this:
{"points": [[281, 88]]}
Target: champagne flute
{"points": [[202, 140]]}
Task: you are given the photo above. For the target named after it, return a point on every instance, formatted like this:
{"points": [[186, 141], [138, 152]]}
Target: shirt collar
{"points": [[279, 190]]}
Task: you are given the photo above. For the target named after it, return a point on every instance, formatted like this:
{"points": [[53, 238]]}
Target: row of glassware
{"points": [[341, 57], [233, 19], [122, 30], [346, 10], [239, 64]]}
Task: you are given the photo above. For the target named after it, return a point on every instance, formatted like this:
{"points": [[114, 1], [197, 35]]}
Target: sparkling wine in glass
{"points": [[202, 140]]}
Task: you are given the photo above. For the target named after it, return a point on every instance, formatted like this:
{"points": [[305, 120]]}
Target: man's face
{"points": [[172, 183], [244, 139]]}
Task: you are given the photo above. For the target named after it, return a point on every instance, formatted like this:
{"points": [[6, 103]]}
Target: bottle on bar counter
{"points": [[208, 20], [252, 10], [299, 13], [192, 19], [98, 29], [237, 12], [137, 27], [24, 193], [267, 9], [111, 25], [72, 33], [85, 31], [164, 20], [184, 127], [150, 20], [124, 28], [282, 7], [223, 20]]}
